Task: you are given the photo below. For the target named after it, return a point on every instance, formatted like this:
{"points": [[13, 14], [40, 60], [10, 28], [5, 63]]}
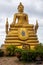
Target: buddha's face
{"points": [[20, 9]]}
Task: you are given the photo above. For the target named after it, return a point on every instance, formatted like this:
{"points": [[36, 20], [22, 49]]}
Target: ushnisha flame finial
{"points": [[20, 5]]}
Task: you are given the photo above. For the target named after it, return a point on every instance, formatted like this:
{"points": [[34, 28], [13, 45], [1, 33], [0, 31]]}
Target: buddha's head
{"points": [[20, 7]]}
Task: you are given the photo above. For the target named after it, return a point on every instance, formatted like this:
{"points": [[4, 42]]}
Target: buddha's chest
{"points": [[21, 16]]}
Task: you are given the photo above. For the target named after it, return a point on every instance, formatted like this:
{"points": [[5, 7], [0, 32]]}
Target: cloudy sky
{"points": [[34, 9]]}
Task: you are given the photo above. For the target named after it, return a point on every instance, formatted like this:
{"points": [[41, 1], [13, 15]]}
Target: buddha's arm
{"points": [[14, 19]]}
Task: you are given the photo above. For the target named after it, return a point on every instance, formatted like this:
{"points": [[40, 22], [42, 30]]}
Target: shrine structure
{"points": [[21, 34]]}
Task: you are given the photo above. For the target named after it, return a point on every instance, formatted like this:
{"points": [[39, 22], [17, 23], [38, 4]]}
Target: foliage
{"points": [[26, 55], [1, 53], [39, 48], [10, 50], [31, 55], [18, 50], [18, 53]]}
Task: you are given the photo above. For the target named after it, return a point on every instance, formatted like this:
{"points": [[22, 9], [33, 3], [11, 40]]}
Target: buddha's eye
{"points": [[23, 33]]}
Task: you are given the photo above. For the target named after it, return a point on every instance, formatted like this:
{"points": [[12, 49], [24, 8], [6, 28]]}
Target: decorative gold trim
{"points": [[20, 33]]}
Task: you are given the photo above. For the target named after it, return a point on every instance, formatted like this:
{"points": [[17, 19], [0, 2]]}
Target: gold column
{"points": [[36, 26], [7, 25]]}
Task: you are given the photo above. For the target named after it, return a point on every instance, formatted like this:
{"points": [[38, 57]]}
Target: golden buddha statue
{"points": [[20, 16], [21, 34]]}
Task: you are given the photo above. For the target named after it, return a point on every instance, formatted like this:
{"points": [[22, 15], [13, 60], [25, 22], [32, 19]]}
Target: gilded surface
{"points": [[21, 17], [23, 33]]}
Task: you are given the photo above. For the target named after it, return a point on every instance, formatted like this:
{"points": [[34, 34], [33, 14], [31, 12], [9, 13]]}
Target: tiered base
{"points": [[16, 37]]}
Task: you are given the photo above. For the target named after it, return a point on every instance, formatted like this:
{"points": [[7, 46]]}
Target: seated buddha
{"points": [[21, 17]]}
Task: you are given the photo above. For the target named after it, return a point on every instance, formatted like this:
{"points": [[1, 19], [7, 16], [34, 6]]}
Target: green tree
{"points": [[10, 50], [1, 53], [39, 48]]}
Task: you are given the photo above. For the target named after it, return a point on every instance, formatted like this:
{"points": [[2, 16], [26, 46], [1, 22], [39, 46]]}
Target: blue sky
{"points": [[34, 9]]}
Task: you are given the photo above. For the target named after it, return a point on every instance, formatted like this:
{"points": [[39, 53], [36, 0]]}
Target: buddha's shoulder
{"points": [[16, 14], [25, 14]]}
